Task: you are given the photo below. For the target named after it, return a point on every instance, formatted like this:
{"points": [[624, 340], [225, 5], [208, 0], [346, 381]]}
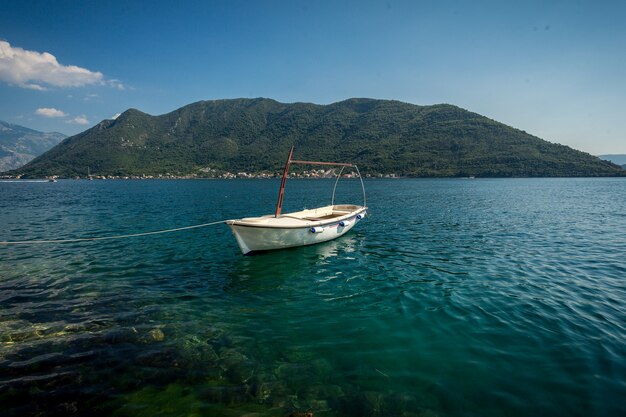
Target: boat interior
{"points": [[323, 213], [319, 214]]}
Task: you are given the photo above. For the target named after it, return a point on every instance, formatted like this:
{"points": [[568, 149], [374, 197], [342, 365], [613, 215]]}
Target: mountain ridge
{"points": [[381, 136], [618, 159], [20, 144]]}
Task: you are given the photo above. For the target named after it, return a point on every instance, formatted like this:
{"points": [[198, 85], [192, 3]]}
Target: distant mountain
{"points": [[619, 159], [19, 145], [254, 135]]}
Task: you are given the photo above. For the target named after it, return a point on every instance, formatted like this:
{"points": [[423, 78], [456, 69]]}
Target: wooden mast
{"points": [[281, 193]]}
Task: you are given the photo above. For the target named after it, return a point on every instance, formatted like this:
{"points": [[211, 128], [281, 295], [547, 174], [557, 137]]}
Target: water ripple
{"points": [[485, 297]]}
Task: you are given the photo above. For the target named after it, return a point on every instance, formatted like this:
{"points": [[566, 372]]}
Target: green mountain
{"points": [[19, 144], [254, 135]]}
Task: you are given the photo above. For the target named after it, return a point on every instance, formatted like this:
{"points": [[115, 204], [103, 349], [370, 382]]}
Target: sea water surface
{"points": [[486, 297]]}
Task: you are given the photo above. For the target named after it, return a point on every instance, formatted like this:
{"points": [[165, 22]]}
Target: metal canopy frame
{"points": [[343, 165]]}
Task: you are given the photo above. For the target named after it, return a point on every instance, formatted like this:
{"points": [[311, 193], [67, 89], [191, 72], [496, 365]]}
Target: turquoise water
{"points": [[503, 297]]}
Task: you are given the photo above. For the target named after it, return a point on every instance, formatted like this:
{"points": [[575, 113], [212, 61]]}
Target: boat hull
{"points": [[254, 238]]}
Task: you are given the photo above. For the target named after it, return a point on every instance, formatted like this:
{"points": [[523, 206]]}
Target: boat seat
{"points": [[328, 216], [294, 217]]}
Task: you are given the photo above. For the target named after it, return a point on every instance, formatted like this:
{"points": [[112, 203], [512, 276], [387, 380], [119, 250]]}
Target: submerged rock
{"points": [[231, 357], [291, 371], [263, 391], [156, 358], [157, 335], [260, 389], [199, 352], [118, 335]]}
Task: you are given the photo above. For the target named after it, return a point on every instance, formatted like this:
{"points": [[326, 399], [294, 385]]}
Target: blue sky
{"points": [[556, 69]]}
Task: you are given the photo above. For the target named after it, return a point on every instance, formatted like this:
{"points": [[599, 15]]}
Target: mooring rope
{"points": [[85, 239]]}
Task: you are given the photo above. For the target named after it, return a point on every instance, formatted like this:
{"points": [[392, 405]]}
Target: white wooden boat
{"points": [[306, 227]]}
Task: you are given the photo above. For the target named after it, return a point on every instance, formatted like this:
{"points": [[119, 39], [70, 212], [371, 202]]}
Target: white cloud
{"points": [[79, 120], [116, 115], [49, 112], [116, 84], [34, 87], [39, 70]]}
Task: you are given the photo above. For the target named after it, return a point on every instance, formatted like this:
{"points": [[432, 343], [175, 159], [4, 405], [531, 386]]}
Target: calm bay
{"points": [[456, 297]]}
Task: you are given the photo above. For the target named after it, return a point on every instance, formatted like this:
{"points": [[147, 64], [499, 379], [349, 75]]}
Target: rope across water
{"points": [[86, 239]]}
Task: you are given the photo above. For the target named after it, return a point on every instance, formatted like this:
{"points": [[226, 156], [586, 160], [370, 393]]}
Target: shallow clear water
{"points": [[456, 297]]}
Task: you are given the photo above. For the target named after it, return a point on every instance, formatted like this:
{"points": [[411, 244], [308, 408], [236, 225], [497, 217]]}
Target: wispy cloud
{"points": [[116, 115], [41, 70], [32, 86], [79, 120], [116, 84], [49, 112]]}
